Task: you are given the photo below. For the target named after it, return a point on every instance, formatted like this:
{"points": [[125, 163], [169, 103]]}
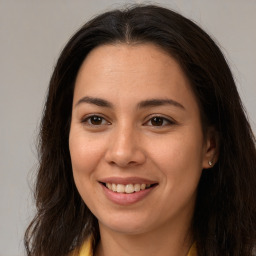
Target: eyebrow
{"points": [[95, 101], [143, 104], [159, 102]]}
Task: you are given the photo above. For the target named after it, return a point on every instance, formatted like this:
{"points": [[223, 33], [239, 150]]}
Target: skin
{"points": [[127, 142]]}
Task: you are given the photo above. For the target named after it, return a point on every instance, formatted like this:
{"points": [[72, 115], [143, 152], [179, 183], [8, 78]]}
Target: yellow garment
{"points": [[192, 251], [86, 249]]}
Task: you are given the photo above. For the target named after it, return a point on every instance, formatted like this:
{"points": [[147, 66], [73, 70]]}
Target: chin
{"points": [[125, 225]]}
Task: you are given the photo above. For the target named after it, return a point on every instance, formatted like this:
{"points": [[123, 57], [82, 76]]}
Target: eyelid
{"points": [[84, 119], [170, 120]]}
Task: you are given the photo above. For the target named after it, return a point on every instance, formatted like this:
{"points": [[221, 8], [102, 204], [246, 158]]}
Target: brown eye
{"points": [[157, 121], [95, 121]]}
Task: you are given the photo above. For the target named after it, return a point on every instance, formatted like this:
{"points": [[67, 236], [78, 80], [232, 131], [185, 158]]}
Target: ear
{"points": [[211, 149]]}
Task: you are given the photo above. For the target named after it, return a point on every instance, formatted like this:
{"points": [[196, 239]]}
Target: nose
{"points": [[125, 149]]}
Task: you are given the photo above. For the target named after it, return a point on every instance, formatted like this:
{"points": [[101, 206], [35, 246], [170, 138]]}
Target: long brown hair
{"points": [[224, 221]]}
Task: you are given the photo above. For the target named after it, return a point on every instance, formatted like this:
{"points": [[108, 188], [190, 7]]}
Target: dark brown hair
{"points": [[224, 221]]}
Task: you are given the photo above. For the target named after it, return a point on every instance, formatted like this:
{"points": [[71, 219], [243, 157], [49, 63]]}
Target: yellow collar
{"points": [[86, 249], [192, 251]]}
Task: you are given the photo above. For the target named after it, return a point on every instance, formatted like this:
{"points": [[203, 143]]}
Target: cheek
{"points": [[85, 155], [179, 157]]}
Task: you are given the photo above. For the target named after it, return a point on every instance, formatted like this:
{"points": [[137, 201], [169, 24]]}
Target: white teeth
{"points": [[129, 188], [137, 187], [120, 188], [114, 187], [142, 186]]}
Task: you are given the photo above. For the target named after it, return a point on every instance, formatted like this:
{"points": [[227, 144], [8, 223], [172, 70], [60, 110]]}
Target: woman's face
{"points": [[136, 141]]}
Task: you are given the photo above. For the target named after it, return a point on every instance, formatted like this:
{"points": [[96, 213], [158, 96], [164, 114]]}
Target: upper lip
{"points": [[127, 180]]}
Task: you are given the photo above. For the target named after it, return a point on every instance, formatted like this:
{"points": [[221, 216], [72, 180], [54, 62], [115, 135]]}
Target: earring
{"points": [[210, 163]]}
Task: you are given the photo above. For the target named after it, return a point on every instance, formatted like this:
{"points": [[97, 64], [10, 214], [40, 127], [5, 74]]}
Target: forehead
{"points": [[140, 61], [138, 71], [111, 56]]}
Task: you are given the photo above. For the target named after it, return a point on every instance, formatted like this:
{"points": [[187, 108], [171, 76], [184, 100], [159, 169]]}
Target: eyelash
{"points": [[88, 120], [163, 121]]}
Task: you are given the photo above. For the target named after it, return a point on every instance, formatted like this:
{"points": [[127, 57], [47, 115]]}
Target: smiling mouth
{"points": [[128, 188]]}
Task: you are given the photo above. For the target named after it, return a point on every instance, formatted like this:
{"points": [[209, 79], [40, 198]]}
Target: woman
{"points": [[144, 146]]}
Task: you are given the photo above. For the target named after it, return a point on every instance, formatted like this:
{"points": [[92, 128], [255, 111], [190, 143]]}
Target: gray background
{"points": [[32, 34]]}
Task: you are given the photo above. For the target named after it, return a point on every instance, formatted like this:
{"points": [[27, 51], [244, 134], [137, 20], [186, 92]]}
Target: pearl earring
{"points": [[210, 163]]}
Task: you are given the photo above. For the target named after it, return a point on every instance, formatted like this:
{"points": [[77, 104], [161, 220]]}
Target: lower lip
{"points": [[126, 199]]}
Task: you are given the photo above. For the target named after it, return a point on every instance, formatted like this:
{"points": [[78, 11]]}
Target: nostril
{"points": [[124, 153], [123, 163]]}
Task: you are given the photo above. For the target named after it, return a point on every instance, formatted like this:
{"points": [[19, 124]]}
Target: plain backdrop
{"points": [[32, 34]]}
